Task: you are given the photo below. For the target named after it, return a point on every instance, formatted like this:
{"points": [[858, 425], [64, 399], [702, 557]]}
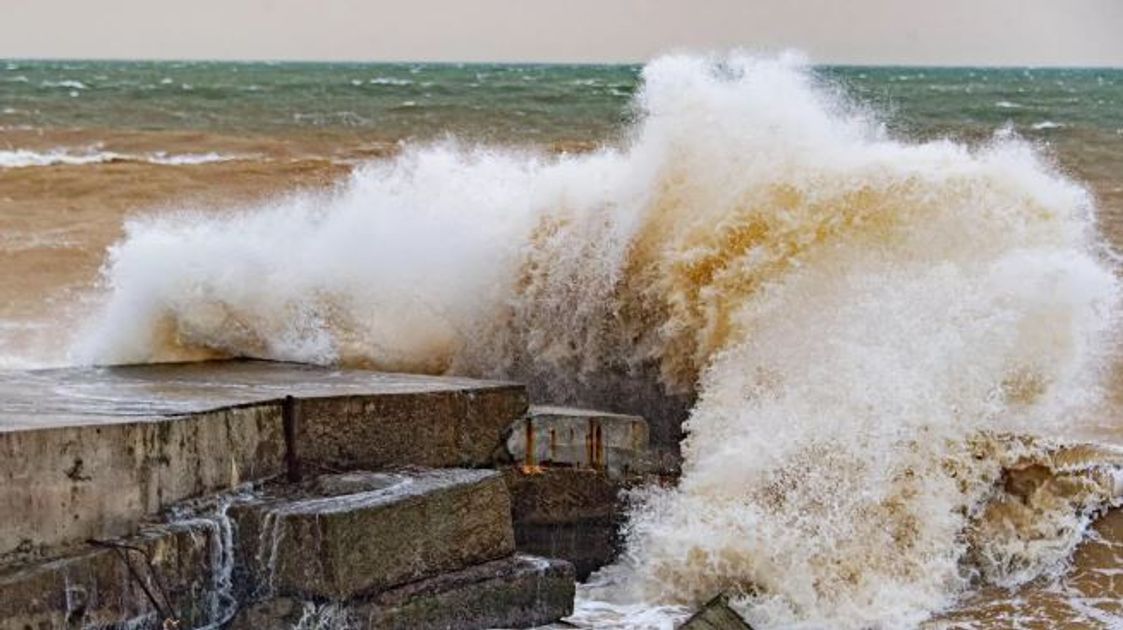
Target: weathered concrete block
{"points": [[89, 452], [456, 427], [573, 514], [716, 615], [516, 592], [636, 390], [614, 443], [64, 485], [587, 545], [94, 587], [402, 528], [519, 592]]}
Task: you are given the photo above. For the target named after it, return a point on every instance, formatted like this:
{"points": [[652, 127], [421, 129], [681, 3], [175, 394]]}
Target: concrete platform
{"points": [[110, 395], [88, 453], [380, 531]]}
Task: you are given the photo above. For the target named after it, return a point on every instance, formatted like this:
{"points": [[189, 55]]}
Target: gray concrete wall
{"points": [[462, 427], [89, 453], [66, 484]]}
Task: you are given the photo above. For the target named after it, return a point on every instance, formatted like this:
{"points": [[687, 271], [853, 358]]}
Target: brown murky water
{"points": [[1088, 595]]}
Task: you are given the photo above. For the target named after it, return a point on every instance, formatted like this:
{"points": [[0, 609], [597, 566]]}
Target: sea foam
{"points": [[866, 321], [26, 158]]}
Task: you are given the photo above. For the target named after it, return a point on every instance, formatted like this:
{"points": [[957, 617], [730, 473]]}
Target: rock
{"points": [[573, 514], [406, 527], [94, 587], [562, 436], [716, 615]]}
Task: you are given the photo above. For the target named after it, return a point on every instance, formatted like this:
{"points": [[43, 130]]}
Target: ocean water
{"points": [[517, 103], [893, 291]]}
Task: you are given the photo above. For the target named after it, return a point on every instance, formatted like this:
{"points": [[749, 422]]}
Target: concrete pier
{"points": [[88, 453], [259, 494]]}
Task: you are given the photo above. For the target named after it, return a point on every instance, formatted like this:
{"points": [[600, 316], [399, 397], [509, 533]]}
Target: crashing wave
{"points": [[865, 321]]}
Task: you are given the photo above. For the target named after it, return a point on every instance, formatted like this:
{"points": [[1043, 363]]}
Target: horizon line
{"points": [[481, 62]]}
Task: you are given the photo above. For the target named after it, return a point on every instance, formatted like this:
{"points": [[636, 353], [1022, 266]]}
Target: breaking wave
{"points": [[881, 334]]}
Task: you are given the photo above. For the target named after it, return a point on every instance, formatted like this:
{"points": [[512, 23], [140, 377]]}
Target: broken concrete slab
{"points": [[716, 614], [89, 452], [582, 438], [515, 592], [518, 592], [567, 513], [165, 572], [391, 528]]}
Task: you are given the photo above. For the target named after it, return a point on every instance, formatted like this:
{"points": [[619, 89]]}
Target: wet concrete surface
{"points": [[81, 396]]}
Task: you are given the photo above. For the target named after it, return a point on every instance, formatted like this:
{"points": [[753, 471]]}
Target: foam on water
{"points": [[26, 158], [868, 323]]}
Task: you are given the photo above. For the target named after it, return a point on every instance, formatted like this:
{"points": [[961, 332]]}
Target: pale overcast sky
{"points": [[953, 32]]}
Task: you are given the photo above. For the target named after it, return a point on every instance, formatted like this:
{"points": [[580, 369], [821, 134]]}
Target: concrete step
{"points": [[343, 536], [89, 453], [564, 436], [172, 571], [516, 592]]}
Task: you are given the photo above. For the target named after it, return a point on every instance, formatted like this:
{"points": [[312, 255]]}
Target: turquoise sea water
{"points": [[511, 102]]}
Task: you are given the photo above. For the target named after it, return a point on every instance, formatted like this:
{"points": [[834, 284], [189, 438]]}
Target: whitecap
{"points": [[389, 81], [68, 83], [27, 158]]}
